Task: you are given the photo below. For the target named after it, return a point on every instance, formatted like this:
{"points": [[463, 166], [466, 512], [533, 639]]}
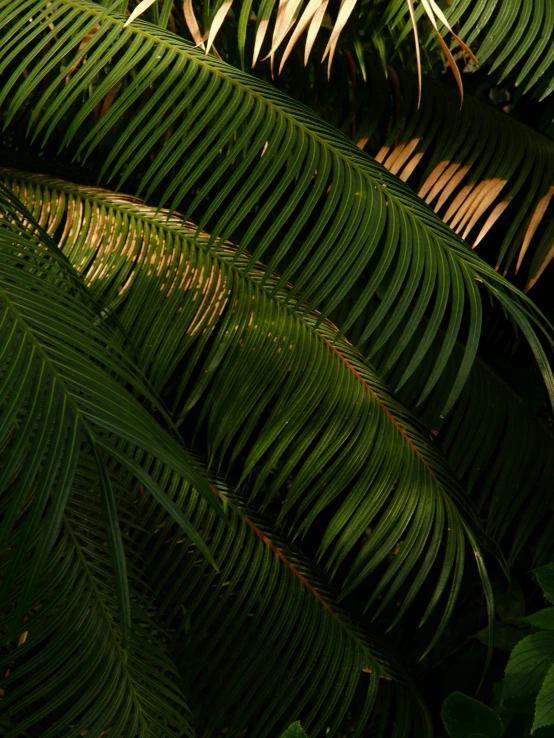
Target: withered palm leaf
{"points": [[515, 38], [482, 171]]}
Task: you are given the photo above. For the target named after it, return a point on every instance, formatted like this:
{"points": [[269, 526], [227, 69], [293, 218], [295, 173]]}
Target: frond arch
{"points": [[284, 389], [308, 201]]}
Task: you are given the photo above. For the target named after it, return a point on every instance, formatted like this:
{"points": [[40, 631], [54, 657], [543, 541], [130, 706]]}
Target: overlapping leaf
{"points": [[481, 170], [501, 452], [496, 438], [63, 383], [514, 37], [302, 196], [66, 671], [263, 641], [301, 409]]}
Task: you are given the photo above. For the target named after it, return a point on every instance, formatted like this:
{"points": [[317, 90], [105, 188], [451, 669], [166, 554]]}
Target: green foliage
{"points": [[358, 216], [246, 450], [464, 717], [530, 669], [545, 578], [294, 731], [528, 685]]}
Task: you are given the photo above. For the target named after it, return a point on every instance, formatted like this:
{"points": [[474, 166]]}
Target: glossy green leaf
{"points": [[71, 671], [64, 385], [274, 379], [263, 641]]}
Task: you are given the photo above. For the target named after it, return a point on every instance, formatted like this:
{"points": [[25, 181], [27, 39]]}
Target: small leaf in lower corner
{"points": [[545, 577], [465, 717], [294, 731], [528, 664]]}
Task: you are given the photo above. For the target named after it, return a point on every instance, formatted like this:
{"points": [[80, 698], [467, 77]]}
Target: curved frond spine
{"points": [[63, 384]]}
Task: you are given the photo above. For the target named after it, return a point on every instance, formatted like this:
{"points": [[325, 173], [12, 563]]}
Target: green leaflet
{"points": [[543, 619], [544, 706], [501, 452], [528, 665], [294, 731], [492, 158], [313, 206], [530, 670], [528, 681], [514, 37], [545, 577], [274, 385]]}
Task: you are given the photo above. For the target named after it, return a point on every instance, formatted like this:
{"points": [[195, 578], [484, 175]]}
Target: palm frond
{"points": [[514, 37], [303, 196], [501, 452], [498, 443], [66, 670], [284, 399], [262, 642], [64, 382], [480, 169]]}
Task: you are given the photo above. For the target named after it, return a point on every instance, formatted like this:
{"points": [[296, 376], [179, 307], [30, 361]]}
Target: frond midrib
{"points": [[277, 552], [122, 658]]}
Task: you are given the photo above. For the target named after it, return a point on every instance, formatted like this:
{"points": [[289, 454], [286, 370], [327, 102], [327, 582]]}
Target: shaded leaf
{"points": [[541, 619], [545, 578], [465, 717], [529, 662], [544, 707], [309, 176]]}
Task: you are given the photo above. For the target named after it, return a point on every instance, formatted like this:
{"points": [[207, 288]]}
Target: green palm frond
{"points": [[63, 384], [284, 400], [480, 169], [514, 37], [501, 452], [67, 671], [263, 642], [262, 167], [495, 441]]}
